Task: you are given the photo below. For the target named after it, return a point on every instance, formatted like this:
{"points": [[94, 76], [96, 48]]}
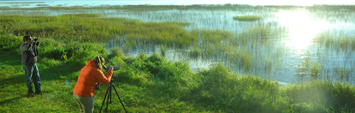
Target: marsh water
{"points": [[301, 27], [291, 55]]}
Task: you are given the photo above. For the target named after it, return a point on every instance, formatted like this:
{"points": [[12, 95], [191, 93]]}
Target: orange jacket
{"points": [[88, 78]]}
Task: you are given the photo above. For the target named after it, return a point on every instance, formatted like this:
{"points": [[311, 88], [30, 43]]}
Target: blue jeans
{"points": [[32, 72]]}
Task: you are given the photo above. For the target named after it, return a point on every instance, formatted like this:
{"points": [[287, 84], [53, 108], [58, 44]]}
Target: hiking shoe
{"points": [[38, 93], [30, 95]]}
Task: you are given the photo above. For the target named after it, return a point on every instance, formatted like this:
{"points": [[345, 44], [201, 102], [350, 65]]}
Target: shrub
{"points": [[224, 90], [10, 41], [116, 52], [321, 96]]}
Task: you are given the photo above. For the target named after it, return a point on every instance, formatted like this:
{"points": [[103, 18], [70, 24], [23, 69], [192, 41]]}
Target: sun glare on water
{"points": [[302, 27]]}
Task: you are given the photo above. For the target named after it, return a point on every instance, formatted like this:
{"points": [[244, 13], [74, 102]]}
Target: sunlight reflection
{"points": [[302, 27]]}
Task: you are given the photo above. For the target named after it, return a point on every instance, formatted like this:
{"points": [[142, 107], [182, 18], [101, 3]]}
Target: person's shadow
{"points": [[11, 99]]}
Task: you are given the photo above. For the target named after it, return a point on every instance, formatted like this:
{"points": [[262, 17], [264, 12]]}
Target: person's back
{"points": [[88, 78]]}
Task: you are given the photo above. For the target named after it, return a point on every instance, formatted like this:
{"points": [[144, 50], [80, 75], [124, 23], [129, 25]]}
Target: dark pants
{"points": [[32, 72], [86, 104]]}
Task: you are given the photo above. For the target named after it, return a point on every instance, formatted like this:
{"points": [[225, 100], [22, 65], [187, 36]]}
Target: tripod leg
{"points": [[119, 98], [103, 102], [108, 96]]}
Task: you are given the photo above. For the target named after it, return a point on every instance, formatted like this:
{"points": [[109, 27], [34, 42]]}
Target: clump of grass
{"points": [[80, 15], [43, 5], [303, 68], [340, 43], [241, 58], [258, 35], [142, 54], [342, 74], [116, 51], [162, 50], [247, 18], [212, 36], [316, 68], [194, 52]]}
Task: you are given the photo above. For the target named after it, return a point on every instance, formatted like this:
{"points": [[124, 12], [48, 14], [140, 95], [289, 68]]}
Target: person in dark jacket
{"points": [[29, 54]]}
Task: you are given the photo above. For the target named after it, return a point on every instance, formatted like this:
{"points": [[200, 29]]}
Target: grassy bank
{"points": [[153, 84]]}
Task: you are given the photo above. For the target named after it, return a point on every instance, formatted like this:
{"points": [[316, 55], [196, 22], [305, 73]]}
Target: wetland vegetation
{"points": [[153, 84], [241, 79]]}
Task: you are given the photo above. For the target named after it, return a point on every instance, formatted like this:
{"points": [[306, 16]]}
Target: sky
{"points": [[189, 2]]}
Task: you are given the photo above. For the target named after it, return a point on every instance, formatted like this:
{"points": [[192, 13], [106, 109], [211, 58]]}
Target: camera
{"points": [[114, 67], [35, 41]]}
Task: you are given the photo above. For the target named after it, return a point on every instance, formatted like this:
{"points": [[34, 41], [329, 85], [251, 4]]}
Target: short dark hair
{"points": [[27, 37]]}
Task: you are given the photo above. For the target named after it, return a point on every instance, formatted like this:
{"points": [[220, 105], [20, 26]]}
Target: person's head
{"points": [[27, 38], [100, 61]]}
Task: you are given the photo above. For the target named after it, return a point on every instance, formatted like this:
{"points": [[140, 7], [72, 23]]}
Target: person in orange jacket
{"points": [[89, 76]]}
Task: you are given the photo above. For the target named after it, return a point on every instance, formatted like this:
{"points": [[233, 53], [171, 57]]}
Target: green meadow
{"points": [[152, 83]]}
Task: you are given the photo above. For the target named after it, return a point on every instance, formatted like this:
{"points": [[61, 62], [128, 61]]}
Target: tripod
{"points": [[108, 95]]}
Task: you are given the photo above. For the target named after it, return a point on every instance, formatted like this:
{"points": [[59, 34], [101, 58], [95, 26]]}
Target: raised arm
{"points": [[37, 43], [27, 47], [102, 78]]}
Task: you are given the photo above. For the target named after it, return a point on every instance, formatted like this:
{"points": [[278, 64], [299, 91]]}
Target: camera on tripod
{"points": [[109, 90]]}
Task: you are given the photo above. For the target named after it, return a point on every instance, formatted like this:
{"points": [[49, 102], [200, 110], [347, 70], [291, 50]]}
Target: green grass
{"points": [[247, 18], [153, 84]]}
